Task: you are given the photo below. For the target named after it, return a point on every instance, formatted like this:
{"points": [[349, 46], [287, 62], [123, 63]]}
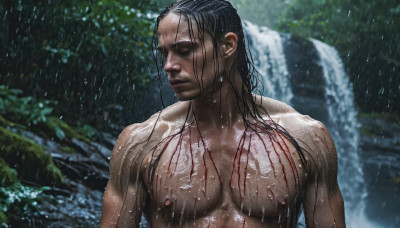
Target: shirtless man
{"points": [[221, 156]]}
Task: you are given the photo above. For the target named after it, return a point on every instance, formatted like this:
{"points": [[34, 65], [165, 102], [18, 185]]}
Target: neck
{"points": [[221, 108]]}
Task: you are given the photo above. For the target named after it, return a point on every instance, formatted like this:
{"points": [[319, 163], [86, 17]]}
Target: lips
{"points": [[175, 82]]}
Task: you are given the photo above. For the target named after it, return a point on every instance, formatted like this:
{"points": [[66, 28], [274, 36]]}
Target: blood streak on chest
{"points": [[187, 165], [265, 147], [190, 146]]}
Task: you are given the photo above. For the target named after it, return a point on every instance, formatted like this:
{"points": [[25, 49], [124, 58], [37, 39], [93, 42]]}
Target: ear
{"points": [[229, 44]]}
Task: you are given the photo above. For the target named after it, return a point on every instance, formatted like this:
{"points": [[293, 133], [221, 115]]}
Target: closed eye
{"points": [[184, 52]]}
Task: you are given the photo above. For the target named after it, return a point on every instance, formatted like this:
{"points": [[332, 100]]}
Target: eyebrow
{"points": [[177, 44]]}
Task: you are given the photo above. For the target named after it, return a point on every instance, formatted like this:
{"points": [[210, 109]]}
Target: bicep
{"points": [[125, 193], [323, 202], [323, 206], [123, 210], [112, 204]]}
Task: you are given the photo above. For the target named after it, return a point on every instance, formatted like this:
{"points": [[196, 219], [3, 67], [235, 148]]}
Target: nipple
{"points": [[282, 202], [167, 203]]}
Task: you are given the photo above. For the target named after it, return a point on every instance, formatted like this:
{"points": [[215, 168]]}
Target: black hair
{"points": [[217, 18]]}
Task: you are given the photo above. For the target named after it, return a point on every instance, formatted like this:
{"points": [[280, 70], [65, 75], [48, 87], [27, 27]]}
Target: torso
{"points": [[223, 178]]}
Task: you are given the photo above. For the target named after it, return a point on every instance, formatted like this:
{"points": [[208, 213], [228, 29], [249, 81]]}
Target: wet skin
{"points": [[211, 171]]}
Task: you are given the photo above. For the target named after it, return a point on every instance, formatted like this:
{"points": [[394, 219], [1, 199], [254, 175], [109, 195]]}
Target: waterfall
{"points": [[270, 61], [342, 123], [269, 58], [343, 126]]}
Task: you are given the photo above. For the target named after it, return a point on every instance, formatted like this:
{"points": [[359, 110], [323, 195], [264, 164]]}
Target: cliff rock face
{"points": [[378, 135], [380, 153], [305, 77]]}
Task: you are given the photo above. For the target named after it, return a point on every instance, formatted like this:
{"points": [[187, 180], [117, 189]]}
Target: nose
{"points": [[171, 64]]}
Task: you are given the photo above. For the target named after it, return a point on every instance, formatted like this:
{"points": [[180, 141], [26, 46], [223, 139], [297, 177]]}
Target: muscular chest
{"points": [[256, 173]]}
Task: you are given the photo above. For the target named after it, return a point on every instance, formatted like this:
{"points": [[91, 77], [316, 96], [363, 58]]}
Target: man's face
{"points": [[190, 66]]}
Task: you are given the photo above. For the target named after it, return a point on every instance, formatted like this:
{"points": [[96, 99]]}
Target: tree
{"points": [[366, 35], [261, 12], [91, 57]]}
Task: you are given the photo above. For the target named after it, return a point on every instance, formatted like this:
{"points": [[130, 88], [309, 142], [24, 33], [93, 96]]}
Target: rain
{"points": [[74, 75]]}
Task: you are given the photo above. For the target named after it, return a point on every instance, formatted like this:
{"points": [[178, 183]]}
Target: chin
{"points": [[186, 97]]}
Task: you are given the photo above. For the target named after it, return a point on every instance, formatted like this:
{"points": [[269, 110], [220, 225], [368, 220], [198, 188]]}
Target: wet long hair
{"points": [[217, 18]]}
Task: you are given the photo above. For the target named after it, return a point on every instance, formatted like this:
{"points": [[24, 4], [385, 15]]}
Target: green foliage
{"points": [[29, 159], [366, 35], [90, 57], [161, 4], [88, 131], [8, 175], [261, 12], [36, 114], [62, 130], [24, 110], [18, 202]]}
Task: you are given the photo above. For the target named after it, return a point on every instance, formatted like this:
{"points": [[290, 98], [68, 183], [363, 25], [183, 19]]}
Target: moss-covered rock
{"points": [[29, 159], [63, 130], [8, 175], [7, 123]]}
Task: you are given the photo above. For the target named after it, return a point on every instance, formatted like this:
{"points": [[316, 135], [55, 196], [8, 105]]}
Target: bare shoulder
{"points": [[301, 126], [134, 137], [136, 140], [311, 134], [157, 125], [272, 106]]}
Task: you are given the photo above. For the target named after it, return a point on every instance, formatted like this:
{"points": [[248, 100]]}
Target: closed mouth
{"points": [[176, 82]]}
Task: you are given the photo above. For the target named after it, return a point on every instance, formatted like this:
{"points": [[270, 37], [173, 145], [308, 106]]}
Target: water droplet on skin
{"points": [[263, 213]]}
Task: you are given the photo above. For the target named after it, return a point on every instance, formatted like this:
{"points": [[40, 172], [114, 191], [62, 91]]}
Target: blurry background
{"points": [[74, 73]]}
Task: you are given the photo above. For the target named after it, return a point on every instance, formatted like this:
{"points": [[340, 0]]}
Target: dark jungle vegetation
{"points": [[366, 34], [74, 68]]}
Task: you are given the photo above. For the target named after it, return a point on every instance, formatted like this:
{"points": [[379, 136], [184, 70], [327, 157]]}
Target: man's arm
{"points": [[323, 202], [125, 194]]}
